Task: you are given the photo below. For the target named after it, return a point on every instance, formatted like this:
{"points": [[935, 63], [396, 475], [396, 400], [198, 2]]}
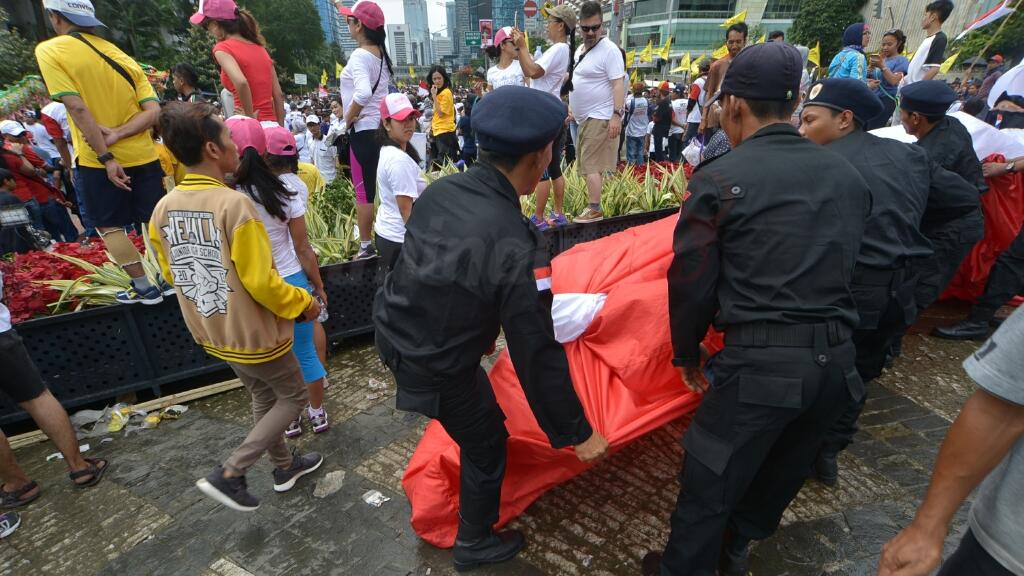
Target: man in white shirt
{"points": [[636, 125], [40, 137], [323, 153], [931, 53], [695, 103], [675, 133], [597, 104], [304, 140]]}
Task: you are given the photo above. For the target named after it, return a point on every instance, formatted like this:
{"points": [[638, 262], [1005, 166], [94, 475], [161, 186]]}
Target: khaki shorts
{"points": [[598, 153]]}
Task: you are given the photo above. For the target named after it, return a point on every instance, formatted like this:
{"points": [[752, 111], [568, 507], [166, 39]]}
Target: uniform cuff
{"points": [[686, 361], [582, 433]]}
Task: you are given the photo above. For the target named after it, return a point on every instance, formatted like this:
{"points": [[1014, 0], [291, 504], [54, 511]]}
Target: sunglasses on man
{"points": [[590, 28]]}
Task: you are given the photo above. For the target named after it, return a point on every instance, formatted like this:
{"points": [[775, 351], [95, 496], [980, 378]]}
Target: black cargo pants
{"points": [[1005, 281], [467, 409], [752, 442]]}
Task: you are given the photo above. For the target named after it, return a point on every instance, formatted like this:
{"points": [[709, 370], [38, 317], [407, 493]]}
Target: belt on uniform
{"points": [[765, 334]]}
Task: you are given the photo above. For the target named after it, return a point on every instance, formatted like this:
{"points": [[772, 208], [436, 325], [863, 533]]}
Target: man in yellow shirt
{"points": [[112, 108]]}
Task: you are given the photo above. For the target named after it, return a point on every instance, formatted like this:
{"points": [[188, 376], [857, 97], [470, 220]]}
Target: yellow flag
{"points": [[632, 77], [647, 54], [664, 52], [412, 73], [741, 17], [948, 63], [762, 39], [684, 64], [910, 56], [338, 69], [630, 57], [323, 78], [814, 56], [722, 52], [695, 66]]}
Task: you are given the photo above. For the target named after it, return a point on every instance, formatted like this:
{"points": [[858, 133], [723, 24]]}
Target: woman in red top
{"points": [[246, 68]]}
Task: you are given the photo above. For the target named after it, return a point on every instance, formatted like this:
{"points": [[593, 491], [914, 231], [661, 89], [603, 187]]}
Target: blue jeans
{"points": [[90, 230], [58, 222], [35, 212], [635, 150]]}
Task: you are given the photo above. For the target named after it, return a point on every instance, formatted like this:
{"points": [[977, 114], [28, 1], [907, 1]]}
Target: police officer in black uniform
{"points": [[904, 185], [765, 247], [923, 107], [472, 265]]}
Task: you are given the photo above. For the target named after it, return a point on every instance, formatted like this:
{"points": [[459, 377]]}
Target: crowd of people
{"points": [[809, 242]]}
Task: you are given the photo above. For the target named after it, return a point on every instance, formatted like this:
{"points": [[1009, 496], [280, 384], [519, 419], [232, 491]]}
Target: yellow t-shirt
{"points": [[311, 177], [444, 122], [70, 68], [174, 171]]}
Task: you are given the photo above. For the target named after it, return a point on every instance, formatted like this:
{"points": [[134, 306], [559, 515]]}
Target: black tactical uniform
{"points": [[949, 145], [904, 185], [472, 265], [765, 247]]}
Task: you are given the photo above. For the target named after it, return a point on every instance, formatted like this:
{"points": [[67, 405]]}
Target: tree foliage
{"points": [[16, 55], [294, 37], [147, 30], [825, 21], [197, 50]]}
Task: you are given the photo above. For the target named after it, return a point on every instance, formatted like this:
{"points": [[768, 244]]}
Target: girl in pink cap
{"points": [[364, 84], [246, 68], [508, 71], [398, 176]]}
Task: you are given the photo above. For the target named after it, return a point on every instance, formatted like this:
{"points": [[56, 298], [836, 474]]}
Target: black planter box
{"points": [[100, 353]]}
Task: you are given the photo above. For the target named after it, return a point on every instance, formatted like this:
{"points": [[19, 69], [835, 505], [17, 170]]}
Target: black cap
{"points": [[846, 94], [928, 97], [516, 120], [769, 71]]}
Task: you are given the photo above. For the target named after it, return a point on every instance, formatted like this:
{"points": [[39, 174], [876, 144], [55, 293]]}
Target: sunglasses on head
{"points": [[591, 28]]}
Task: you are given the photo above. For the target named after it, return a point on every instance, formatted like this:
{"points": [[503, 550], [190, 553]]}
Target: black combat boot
{"points": [[476, 545], [967, 330], [734, 556], [826, 467]]}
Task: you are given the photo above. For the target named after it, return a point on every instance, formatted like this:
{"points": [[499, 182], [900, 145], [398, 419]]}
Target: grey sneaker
{"points": [[365, 253], [9, 522], [284, 480], [319, 421], [294, 429], [231, 492]]}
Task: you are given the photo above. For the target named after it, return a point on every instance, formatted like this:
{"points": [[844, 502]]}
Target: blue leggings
{"points": [[304, 347]]}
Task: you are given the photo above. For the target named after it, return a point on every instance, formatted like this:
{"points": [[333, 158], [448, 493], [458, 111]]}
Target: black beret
{"points": [[516, 120], [846, 94], [928, 97]]}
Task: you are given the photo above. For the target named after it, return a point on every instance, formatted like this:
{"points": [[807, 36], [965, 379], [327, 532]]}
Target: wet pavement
{"points": [[146, 517]]}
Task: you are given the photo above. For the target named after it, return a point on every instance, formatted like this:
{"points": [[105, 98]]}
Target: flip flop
{"points": [[93, 470], [14, 499]]}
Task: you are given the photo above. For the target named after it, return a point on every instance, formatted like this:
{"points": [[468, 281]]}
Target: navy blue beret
{"points": [[928, 97], [846, 94], [516, 120]]}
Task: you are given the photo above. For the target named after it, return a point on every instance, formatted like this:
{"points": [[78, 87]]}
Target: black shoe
{"points": [[734, 559], [826, 468], [231, 492], [651, 564], [966, 330], [284, 480], [493, 548]]}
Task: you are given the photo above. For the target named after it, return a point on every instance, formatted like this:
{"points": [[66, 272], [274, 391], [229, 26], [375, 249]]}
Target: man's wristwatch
{"points": [[105, 157], [621, 112], [1011, 167]]}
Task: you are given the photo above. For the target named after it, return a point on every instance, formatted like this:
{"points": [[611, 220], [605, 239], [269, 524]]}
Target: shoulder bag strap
{"points": [[117, 67]]}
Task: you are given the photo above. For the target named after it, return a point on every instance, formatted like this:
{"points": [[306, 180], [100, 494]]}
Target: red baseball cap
{"points": [[366, 12], [280, 141], [397, 106], [247, 132], [997, 58], [214, 10], [503, 34]]}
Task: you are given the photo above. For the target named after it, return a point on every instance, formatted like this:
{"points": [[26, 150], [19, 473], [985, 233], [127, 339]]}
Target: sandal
{"points": [[14, 499], [94, 470]]}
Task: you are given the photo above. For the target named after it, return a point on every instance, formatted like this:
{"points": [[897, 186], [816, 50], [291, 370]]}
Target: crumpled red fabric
{"points": [[621, 368], [1003, 206]]}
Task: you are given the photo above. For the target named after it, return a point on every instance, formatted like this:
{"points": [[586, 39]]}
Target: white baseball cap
{"points": [[12, 128], [312, 119], [397, 106], [78, 12]]}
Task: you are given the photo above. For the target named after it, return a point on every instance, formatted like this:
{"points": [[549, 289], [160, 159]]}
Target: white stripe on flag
{"points": [[543, 284]]}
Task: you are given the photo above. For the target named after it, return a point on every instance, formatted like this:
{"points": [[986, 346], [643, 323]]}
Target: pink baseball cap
{"points": [[366, 12], [502, 35], [247, 132], [280, 141], [397, 106], [214, 10]]}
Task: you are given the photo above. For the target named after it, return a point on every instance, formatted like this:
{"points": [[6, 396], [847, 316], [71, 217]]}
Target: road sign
{"points": [[473, 39], [530, 8], [300, 79]]}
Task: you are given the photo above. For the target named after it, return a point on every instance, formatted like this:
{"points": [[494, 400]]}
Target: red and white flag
{"points": [[987, 18]]}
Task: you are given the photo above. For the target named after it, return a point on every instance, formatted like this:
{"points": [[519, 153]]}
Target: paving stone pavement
{"points": [[146, 517]]}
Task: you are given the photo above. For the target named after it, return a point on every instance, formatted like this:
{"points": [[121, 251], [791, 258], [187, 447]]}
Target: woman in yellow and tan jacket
{"points": [[211, 244]]}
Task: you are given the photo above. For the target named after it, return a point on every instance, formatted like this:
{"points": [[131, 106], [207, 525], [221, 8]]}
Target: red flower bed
{"points": [[23, 294], [658, 170]]}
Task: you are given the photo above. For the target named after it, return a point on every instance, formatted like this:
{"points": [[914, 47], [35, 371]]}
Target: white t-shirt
{"points": [[397, 175], [325, 158], [281, 245], [637, 126], [555, 62], [303, 145], [5, 314], [59, 114], [592, 78], [929, 54], [679, 115], [42, 139], [650, 132], [694, 117], [357, 80], [510, 76]]}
